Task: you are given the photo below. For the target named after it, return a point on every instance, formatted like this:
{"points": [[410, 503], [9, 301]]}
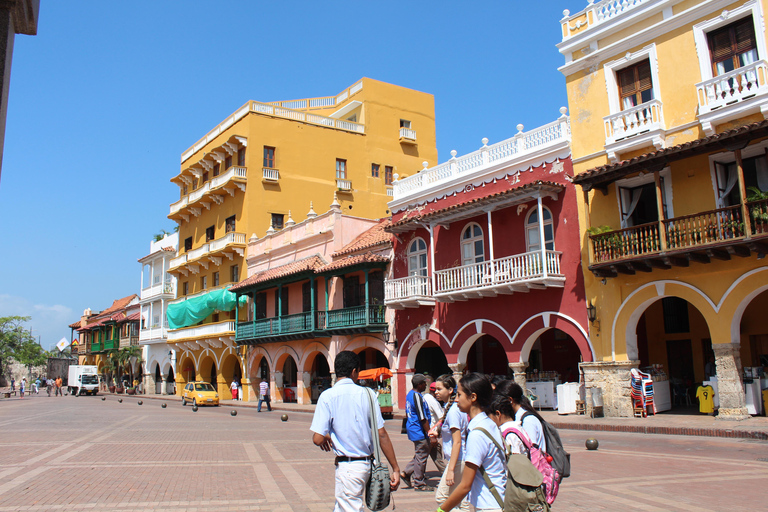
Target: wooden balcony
{"points": [[111, 344], [715, 234], [283, 328], [96, 346], [408, 292], [518, 273], [129, 341], [352, 320]]}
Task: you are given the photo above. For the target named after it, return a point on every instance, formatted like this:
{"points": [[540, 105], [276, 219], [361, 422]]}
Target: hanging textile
{"points": [[629, 199], [197, 309]]}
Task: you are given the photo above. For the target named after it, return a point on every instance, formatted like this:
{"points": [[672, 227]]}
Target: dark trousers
{"points": [[418, 464], [436, 454], [264, 398]]}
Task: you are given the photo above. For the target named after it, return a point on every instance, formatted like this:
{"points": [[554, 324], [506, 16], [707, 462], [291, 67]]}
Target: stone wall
{"points": [[613, 378]]}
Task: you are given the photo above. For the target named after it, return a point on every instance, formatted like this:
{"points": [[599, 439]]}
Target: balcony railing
{"points": [[158, 289], [734, 87], [270, 174], [351, 317], [129, 341], [407, 133], [411, 291], [345, 185], [633, 121], [298, 115], [178, 261], [597, 13], [202, 331], [275, 326], [687, 233], [154, 333], [510, 272], [227, 240], [194, 254], [111, 344], [96, 346], [232, 173]]}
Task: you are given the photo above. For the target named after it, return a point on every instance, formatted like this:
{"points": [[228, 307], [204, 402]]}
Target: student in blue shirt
{"points": [[474, 396], [417, 426]]}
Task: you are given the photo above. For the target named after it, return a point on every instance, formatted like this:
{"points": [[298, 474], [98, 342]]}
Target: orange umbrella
{"points": [[375, 373]]}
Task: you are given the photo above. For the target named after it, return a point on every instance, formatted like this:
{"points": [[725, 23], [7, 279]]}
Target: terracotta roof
{"points": [[349, 261], [309, 264], [169, 249], [118, 304], [74, 325], [612, 172], [369, 238], [505, 195], [111, 313], [134, 317]]}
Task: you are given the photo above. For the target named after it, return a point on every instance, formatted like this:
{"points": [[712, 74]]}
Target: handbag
{"points": [[377, 491]]}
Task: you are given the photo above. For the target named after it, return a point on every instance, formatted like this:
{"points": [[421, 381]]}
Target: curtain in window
{"points": [[629, 199], [761, 170], [726, 180]]}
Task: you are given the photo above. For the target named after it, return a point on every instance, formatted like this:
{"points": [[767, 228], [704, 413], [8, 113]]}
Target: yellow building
{"points": [[668, 100], [254, 172]]}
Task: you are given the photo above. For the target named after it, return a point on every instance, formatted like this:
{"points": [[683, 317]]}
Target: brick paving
{"points": [[79, 454]]}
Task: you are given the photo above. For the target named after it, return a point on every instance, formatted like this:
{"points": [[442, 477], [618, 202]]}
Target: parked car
{"points": [[199, 393]]}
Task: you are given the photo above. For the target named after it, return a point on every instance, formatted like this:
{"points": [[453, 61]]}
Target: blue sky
{"points": [[107, 96]]}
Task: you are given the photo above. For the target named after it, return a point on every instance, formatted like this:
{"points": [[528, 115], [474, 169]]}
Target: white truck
{"points": [[83, 379]]}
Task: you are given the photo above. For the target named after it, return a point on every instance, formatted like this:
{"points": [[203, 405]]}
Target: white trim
{"points": [[525, 350], [550, 222], [728, 157], [461, 357], [417, 253], [644, 179], [700, 31], [610, 69], [470, 241]]}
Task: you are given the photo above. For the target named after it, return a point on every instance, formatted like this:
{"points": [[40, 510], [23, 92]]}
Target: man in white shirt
{"points": [[264, 395], [342, 423], [436, 414]]}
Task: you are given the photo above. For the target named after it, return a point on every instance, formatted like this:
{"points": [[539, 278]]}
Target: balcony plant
{"points": [[759, 212], [606, 241]]}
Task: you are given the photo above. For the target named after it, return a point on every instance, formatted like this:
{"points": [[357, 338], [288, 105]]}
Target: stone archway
{"points": [[315, 378], [187, 370], [230, 371]]}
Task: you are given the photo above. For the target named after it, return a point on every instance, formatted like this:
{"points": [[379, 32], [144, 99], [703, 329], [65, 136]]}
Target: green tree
{"points": [[13, 336], [31, 354]]}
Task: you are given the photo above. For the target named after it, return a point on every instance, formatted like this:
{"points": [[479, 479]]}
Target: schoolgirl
{"points": [[522, 407], [503, 415], [452, 428], [481, 455]]}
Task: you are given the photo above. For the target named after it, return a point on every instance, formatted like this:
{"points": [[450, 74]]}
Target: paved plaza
{"points": [[73, 454]]}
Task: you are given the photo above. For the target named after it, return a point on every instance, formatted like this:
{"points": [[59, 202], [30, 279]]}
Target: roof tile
{"points": [[309, 264], [372, 237], [349, 261]]}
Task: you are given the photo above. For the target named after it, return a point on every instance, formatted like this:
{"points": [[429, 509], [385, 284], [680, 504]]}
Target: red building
{"points": [[474, 287]]}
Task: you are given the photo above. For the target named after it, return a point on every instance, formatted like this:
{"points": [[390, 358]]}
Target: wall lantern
{"points": [[591, 312], [385, 335]]}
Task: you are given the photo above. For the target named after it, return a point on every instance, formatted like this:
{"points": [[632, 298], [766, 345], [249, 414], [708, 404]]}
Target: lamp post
{"points": [[591, 312]]}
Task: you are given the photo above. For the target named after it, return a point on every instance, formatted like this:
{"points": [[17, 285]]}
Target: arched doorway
{"points": [[674, 345], [372, 358], [555, 356], [259, 372], [187, 370], [319, 376], [230, 369], [158, 380], [207, 372], [290, 379], [430, 360], [487, 356], [170, 383], [754, 350]]}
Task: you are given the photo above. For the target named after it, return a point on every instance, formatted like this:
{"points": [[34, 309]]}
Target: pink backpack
{"points": [[541, 461]]}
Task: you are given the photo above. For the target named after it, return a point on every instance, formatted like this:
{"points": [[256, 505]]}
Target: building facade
{"points": [[486, 272], [260, 166], [314, 289], [668, 104], [158, 287]]}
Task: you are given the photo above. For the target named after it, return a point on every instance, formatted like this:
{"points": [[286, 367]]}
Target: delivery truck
{"points": [[83, 379]]}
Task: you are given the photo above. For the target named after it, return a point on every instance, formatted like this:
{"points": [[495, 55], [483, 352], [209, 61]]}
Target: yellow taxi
{"points": [[199, 393]]}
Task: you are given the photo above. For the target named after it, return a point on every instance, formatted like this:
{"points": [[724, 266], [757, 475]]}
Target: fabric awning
{"points": [[375, 373], [196, 309]]}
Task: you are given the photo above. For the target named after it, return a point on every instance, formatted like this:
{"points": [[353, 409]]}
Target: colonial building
{"points": [[158, 287], [486, 271], [314, 289], [668, 101], [260, 166]]}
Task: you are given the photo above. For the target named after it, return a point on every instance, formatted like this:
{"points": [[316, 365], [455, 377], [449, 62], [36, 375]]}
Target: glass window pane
{"points": [[422, 245], [467, 250], [548, 232], [547, 215], [533, 237], [478, 231], [534, 218], [478, 247], [467, 233]]}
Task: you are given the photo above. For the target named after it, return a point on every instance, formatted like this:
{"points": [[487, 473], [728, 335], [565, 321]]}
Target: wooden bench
{"points": [[7, 394]]}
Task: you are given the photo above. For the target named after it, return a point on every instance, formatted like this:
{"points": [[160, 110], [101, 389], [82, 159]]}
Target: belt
{"points": [[351, 459]]}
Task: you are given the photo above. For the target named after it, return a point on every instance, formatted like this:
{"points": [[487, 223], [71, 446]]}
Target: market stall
{"points": [[378, 379]]}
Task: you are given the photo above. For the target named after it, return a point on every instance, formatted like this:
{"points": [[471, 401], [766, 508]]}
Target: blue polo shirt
{"points": [[416, 411], [344, 411]]}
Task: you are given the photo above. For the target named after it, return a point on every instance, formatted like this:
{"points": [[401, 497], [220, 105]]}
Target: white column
{"points": [[490, 246], [431, 230], [540, 211]]}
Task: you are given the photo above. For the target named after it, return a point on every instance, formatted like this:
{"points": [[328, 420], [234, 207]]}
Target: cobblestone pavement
{"points": [[79, 454]]}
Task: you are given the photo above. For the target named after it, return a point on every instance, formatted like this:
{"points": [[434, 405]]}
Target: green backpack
{"points": [[524, 492]]}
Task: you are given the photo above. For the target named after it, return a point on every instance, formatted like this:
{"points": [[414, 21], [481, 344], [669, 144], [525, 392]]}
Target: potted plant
{"points": [[606, 243], [758, 212]]}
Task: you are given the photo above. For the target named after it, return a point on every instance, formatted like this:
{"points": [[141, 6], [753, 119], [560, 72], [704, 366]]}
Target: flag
{"points": [[62, 344]]}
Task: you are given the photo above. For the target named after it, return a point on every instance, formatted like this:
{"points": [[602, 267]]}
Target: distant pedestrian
{"points": [[49, 385], [59, 382], [239, 391], [342, 423], [37, 386], [13, 384], [233, 389], [23, 387], [264, 395], [417, 427]]}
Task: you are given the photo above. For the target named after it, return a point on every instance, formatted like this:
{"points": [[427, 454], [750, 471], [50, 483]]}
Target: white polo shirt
{"points": [[458, 420], [344, 411], [483, 453], [533, 428]]}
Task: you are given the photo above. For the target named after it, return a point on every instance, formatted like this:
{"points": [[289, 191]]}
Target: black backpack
{"points": [[561, 459]]}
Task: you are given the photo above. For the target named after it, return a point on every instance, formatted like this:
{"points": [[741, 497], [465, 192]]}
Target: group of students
{"points": [[470, 430], [50, 384]]}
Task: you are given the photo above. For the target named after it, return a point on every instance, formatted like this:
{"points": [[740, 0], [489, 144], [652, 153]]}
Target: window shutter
{"points": [[745, 36], [644, 76], [627, 84], [720, 44]]}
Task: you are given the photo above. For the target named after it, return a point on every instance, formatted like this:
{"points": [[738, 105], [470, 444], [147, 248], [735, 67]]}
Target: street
{"points": [[73, 454]]}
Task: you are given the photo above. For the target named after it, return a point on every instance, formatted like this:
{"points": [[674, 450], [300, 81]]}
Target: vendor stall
{"points": [[378, 379]]}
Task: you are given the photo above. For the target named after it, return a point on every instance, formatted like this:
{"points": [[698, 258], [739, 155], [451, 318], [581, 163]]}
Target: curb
{"points": [[673, 431]]}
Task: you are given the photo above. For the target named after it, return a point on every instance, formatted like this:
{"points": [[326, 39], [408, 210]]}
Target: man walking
{"points": [[264, 395], [58, 386], [342, 423], [417, 426], [49, 385]]}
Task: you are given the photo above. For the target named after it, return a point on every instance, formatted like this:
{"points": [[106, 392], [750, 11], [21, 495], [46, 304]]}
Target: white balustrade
{"points": [[407, 133], [607, 9], [732, 87], [343, 184], [158, 289], [196, 195], [198, 253], [633, 121], [200, 331], [297, 115], [517, 147], [270, 174], [390, 192], [179, 260], [356, 87], [601, 12], [411, 287], [159, 334], [178, 205], [525, 267], [228, 239]]}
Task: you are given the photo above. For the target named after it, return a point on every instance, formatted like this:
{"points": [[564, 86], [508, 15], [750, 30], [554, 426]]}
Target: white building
{"points": [[158, 287]]}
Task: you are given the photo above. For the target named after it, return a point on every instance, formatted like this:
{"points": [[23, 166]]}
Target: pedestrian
{"points": [[453, 429], [264, 395], [525, 413], [503, 415], [37, 386], [239, 390], [474, 397], [435, 413], [49, 385], [233, 389], [417, 427], [58, 386], [342, 423], [13, 384], [22, 387]]}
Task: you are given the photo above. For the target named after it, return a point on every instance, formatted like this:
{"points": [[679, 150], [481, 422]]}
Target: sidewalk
{"points": [[693, 424]]}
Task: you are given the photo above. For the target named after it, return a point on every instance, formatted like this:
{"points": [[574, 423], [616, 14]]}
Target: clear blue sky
{"points": [[107, 96]]}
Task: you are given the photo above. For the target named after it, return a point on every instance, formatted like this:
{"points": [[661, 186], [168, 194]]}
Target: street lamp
{"points": [[591, 312]]}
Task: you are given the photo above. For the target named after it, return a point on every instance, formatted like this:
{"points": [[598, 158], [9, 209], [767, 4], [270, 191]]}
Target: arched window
{"points": [[532, 230], [472, 250], [417, 258]]}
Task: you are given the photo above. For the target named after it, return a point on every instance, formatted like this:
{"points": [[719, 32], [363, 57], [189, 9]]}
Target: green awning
{"points": [[196, 309]]}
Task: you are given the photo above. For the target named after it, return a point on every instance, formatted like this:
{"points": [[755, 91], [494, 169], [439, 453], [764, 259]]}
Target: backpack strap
{"points": [[523, 439], [487, 479]]}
